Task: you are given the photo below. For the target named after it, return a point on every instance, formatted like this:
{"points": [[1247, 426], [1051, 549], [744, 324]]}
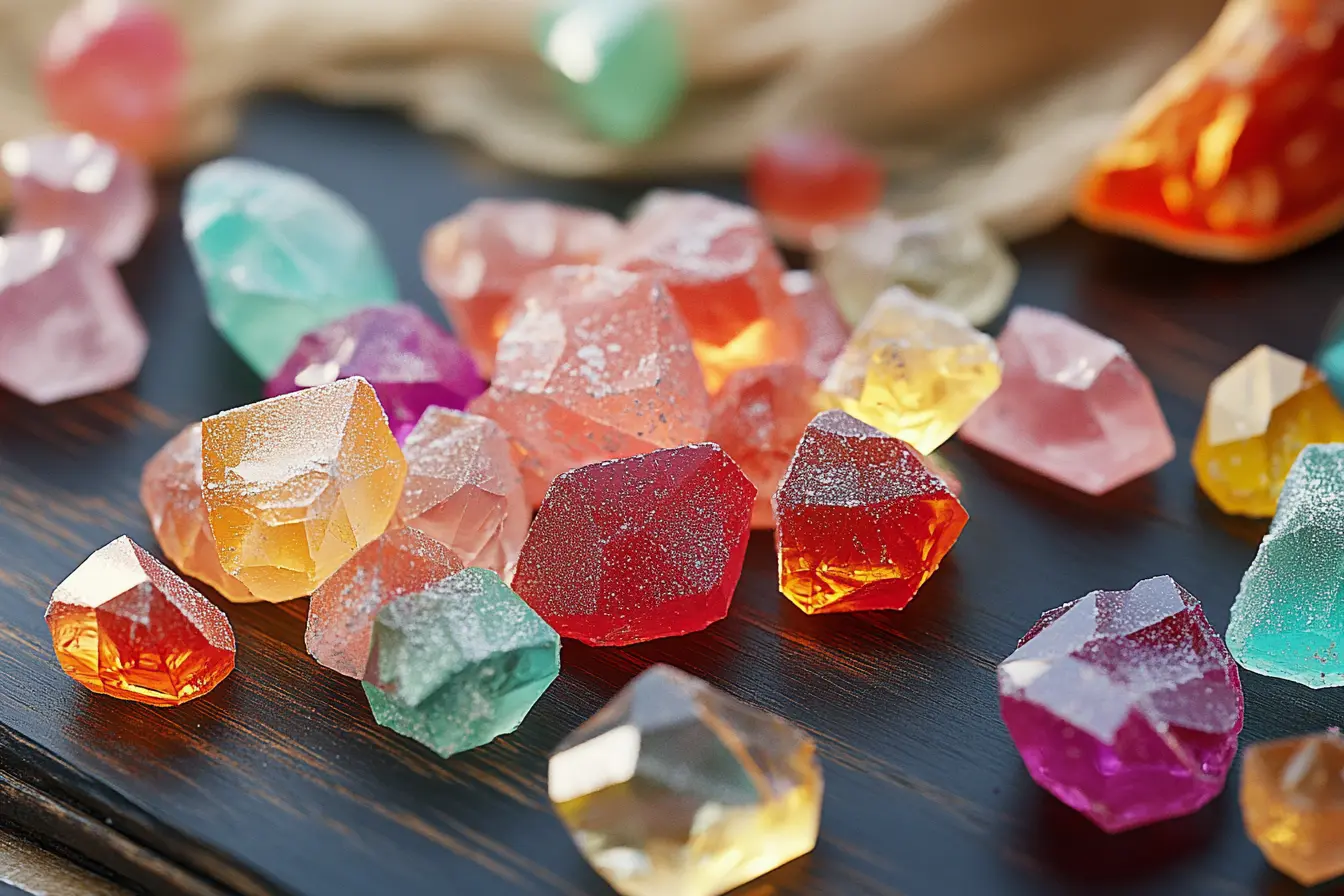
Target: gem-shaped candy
{"points": [[1259, 414], [115, 69], [295, 485], [125, 625], [1125, 704], [1292, 799], [952, 261], [1073, 406], [596, 364], [825, 331], [1288, 616], [409, 361], [758, 417], [76, 182], [720, 266], [809, 181], [279, 255], [170, 490], [638, 548], [342, 609], [66, 326], [476, 260], [463, 489], [459, 663], [913, 369], [619, 63], [676, 787], [860, 521]]}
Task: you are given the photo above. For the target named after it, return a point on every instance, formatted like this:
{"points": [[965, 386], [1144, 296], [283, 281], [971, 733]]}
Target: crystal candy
{"points": [[758, 417], [619, 63], [279, 255], [66, 326], [675, 787], [409, 361], [643, 547], [1292, 799], [463, 489], [952, 261], [76, 182], [824, 330], [860, 521], [1289, 615], [476, 260], [125, 625], [342, 609], [595, 365], [1073, 406], [295, 485], [913, 369], [1259, 414], [115, 68], [717, 261], [1124, 704], [807, 182], [459, 663], [170, 490]]}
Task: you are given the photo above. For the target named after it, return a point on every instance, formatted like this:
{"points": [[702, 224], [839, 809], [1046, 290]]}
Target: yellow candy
{"points": [[1292, 798]]}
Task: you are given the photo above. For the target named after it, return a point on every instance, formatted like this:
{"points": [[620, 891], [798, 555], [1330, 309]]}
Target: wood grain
{"points": [[279, 781]]}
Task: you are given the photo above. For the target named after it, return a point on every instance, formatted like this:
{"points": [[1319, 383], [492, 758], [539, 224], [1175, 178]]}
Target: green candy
{"points": [[279, 255]]}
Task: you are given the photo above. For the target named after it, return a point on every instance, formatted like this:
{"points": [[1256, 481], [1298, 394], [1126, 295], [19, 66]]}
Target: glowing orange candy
{"points": [[1235, 153]]}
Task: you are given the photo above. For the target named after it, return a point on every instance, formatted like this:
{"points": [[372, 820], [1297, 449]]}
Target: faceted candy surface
{"points": [[279, 255], [595, 364], [170, 490], [676, 787], [409, 361], [1259, 414], [459, 663], [1292, 799], [464, 490], [66, 326], [1073, 406], [643, 547], [295, 485], [804, 181], [619, 63], [860, 521], [1287, 618], [115, 69], [342, 609], [913, 369], [1124, 704], [954, 262], [76, 182], [825, 331], [476, 260], [720, 266], [125, 625], [1232, 154], [758, 417]]}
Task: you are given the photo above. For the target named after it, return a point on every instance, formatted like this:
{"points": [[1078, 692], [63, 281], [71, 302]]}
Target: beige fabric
{"points": [[985, 106]]}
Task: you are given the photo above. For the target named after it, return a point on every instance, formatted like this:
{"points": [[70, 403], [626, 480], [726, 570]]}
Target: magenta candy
{"points": [[407, 358], [1125, 704]]}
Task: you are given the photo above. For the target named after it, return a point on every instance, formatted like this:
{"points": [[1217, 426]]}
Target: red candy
{"points": [[801, 181]]}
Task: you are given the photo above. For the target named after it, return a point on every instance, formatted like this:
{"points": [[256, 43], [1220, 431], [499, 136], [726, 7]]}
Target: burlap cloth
{"points": [[985, 106]]}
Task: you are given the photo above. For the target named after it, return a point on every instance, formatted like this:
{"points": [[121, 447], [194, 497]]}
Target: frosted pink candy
{"points": [[83, 184], [1073, 406]]}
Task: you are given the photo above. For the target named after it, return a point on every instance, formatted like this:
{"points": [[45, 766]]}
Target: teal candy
{"points": [[619, 62], [459, 663], [1330, 359], [1288, 619], [278, 255]]}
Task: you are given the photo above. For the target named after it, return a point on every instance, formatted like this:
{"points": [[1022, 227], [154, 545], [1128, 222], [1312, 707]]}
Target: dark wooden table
{"points": [[279, 781]]}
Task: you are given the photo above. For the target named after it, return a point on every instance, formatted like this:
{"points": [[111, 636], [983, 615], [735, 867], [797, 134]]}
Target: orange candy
{"points": [[1235, 153]]}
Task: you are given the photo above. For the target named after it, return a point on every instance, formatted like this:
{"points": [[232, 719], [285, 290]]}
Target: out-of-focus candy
{"points": [[809, 181], [1292, 799]]}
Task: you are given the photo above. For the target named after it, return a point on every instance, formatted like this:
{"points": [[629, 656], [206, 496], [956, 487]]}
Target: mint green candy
{"points": [[1288, 619], [619, 62], [459, 663], [279, 255]]}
